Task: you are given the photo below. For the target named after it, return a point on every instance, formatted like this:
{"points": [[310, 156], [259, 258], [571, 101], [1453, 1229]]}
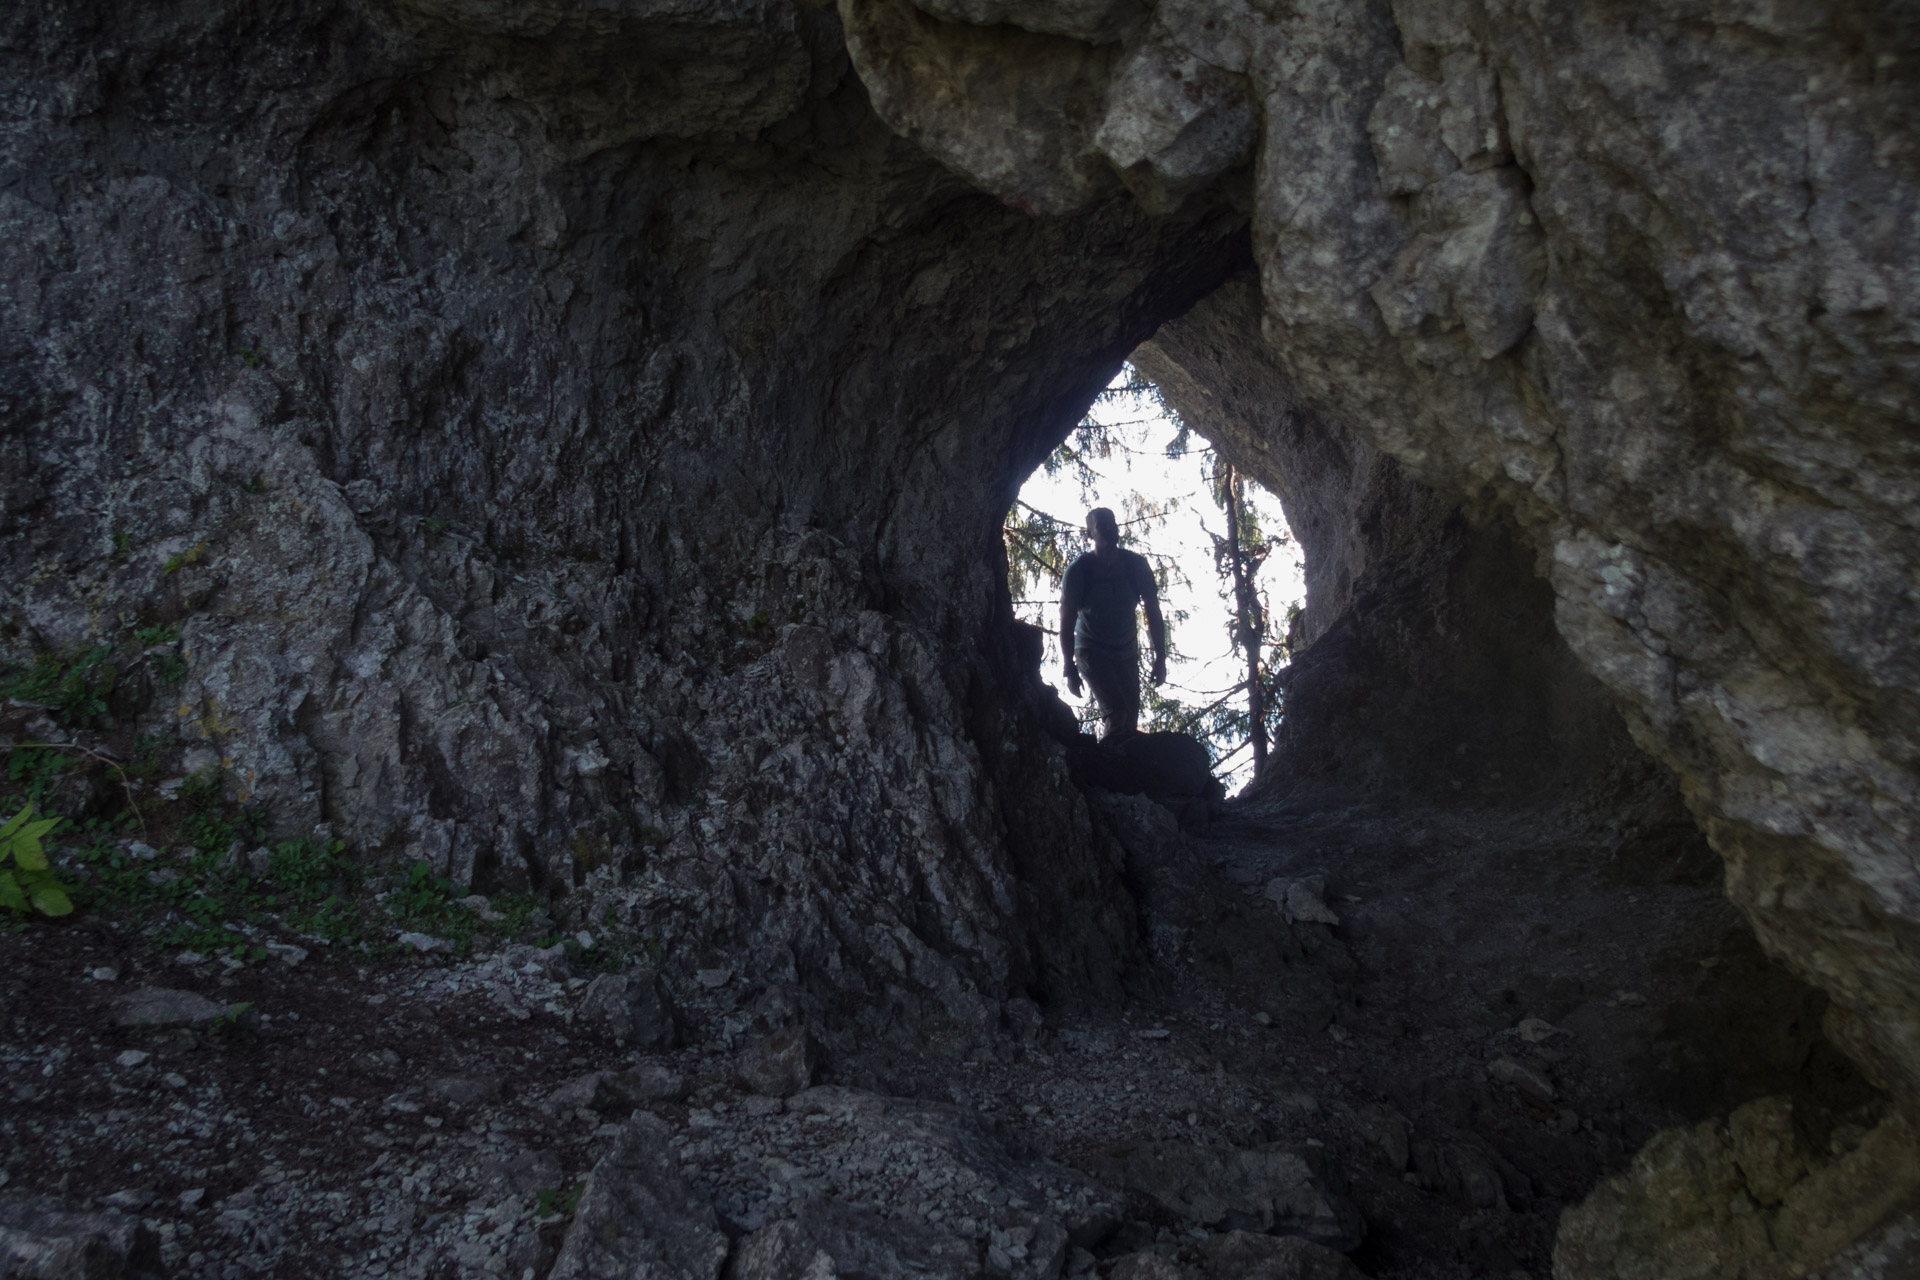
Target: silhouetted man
{"points": [[1099, 623]]}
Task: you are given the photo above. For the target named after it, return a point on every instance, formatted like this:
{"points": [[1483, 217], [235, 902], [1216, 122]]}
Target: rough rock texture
{"points": [[1243, 1255], [632, 1008], [165, 1007], [1749, 1198], [1642, 280], [571, 445], [1034, 1208], [1268, 1189], [44, 1239], [1425, 661], [638, 1218], [571, 440]]}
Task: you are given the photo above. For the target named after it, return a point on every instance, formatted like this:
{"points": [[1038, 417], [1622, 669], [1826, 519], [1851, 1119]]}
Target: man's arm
{"points": [[1069, 614], [1156, 624], [1157, 637]]}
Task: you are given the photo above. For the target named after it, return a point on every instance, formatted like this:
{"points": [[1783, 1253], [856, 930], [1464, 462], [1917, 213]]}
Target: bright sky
{"points": [[1204, 663]]}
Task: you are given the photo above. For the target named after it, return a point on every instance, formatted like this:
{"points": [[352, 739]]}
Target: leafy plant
{"points": [[516, 912], [605, 955], [433, 526], [31, 883], [192, 555], [251, 356], [147, 637], [73, 685], [122, 543], [147, 753], [227, 1022], [211, 823], [336, 919], [169, 668], [427, 902], [307, 869], [421, 895], [33, 768], [556, 1200]]}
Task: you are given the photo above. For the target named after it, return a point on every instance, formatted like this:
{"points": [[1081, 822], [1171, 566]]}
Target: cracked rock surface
{"points": [[1370, 1086], [567, 446], [1619, 274]]}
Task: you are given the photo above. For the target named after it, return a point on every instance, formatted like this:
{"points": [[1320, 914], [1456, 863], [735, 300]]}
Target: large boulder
{"points": [[42, 1238], [1747, 1196], [1172, 769], [638, 1217], [633, 1008]]}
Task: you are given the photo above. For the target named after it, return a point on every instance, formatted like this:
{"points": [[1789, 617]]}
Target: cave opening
{"points": [[1228, 570], [566, 451], [1461, 897]]}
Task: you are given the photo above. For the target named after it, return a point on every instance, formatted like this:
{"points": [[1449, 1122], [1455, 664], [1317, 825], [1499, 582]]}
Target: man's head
{"points": [[1103, 529]]}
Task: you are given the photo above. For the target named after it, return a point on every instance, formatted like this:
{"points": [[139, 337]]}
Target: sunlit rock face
{"points": [[572, 443], [1641, 278], [1425, 665]]}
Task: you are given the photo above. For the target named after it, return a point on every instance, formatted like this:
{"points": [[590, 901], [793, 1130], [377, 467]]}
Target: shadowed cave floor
{"points": [[398, 1117]]}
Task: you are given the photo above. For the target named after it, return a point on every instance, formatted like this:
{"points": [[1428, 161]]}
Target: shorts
{"points": [[1114, 680]]}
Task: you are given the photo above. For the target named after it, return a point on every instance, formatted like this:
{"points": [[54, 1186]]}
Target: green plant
{"points": [[147, 637], [557, 1200], [605, 955], [213, 902], [73, 685], [122, 543], [192, 555], [433, 527], [516, 912], [169, 668], [426, 902], [251, 356], [421, 895], [33, 768], [31, 884], [336, 919], [308, 869], [211, 823], [146, 755], [35, 763], [227, 1022]]}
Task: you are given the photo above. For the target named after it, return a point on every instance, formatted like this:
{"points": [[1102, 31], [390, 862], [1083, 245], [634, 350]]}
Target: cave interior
{"points": [[568, 451]]}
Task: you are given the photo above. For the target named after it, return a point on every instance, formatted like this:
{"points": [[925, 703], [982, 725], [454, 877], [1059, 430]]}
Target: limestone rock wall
{"points": [[571, 443], [571, 438], [1642, 277], [1425, 662]]}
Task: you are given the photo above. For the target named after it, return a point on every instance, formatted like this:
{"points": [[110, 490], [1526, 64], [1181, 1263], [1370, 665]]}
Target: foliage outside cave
{"points": [[1235, 718]]}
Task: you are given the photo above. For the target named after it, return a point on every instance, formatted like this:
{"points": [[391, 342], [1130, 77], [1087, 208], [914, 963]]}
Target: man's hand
{"points": [[1073, 678], [1159, 668]]}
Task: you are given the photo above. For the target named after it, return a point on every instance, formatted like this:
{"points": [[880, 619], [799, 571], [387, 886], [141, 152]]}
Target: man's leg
{"points": [[1114, 680]]}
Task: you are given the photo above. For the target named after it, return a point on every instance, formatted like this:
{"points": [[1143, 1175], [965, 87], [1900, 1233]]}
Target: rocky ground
{"points": [[1475, 1015]]}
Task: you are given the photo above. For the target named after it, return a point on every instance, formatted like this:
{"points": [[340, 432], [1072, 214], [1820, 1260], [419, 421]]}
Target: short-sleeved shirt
{"points": [[1105, 594]]}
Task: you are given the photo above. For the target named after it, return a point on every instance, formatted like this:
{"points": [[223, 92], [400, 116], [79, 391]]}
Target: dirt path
{"points": [[1509, 1003]]}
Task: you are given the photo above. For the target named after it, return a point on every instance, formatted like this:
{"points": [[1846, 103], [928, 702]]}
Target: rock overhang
{"points": [[1597, 270], [695, 299]]}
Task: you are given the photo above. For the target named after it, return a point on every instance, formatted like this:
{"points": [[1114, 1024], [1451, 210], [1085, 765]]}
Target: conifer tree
{"points": [[1040, 544]]}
